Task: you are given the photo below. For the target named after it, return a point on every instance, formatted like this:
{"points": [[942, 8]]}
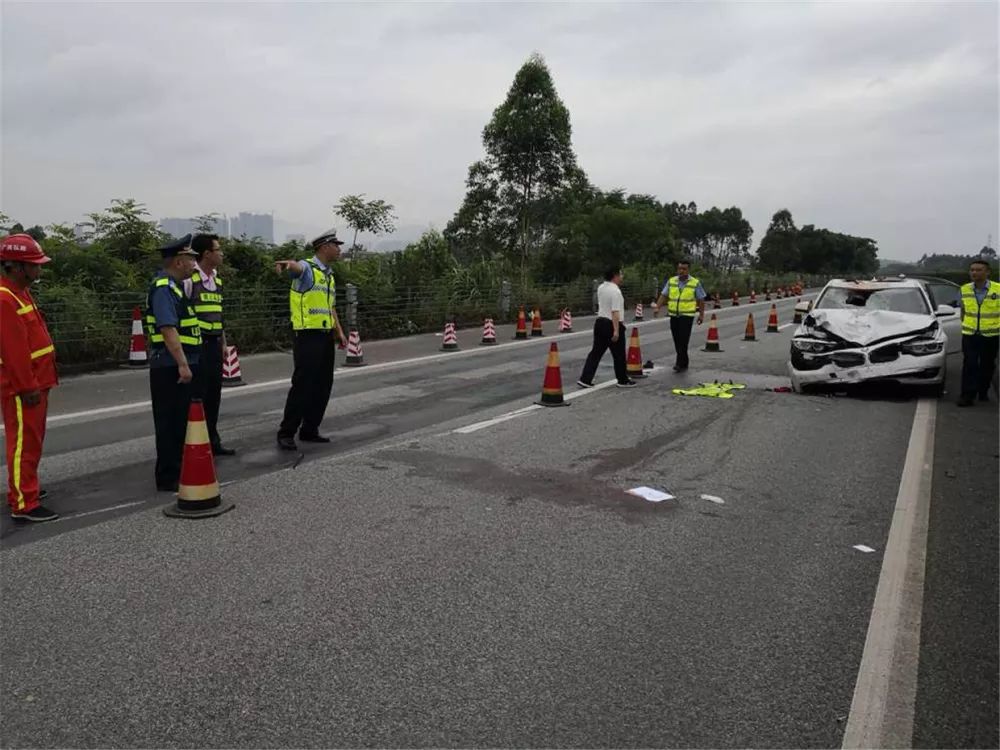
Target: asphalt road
{"points": [[456, 570]]}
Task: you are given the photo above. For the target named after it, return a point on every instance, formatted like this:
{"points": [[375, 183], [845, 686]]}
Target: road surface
{"points": [[456, 569]]}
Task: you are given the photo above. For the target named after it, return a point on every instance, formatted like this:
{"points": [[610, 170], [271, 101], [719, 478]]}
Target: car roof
{"points": [[875, 284]]}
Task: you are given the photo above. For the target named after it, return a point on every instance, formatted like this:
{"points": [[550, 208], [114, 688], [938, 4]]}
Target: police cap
{"points": [[178, 247], [326, 237]]}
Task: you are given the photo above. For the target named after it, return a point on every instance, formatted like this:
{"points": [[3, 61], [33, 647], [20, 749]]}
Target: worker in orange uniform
{"points": [[27, 373]]}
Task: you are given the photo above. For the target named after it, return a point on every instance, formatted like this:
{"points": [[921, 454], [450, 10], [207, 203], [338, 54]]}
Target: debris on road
{"points": [[714, 499], [711, 390], [863, 548], [648, 493]]}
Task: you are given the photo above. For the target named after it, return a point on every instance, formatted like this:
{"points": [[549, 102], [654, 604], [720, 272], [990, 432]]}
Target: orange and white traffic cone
{"points": [[198, 495], [489, 333], [716, 302], [355, 356], [522, 329], [772, 320], [638, 311], [767, 295], [753, 297], [751, 332], [232, 375], [552, 390], [137, 345], [633, 361], [450, 341], [566, 322], [736, 299], [712, 341], [536, 323], [797, 317]]}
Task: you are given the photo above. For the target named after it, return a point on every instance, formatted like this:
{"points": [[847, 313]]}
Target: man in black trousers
{"points": [[609, 332]]}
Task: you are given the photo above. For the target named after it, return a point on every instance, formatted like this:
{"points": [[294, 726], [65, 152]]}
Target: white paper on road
{"points": [[863, 548], [714, 499], [648, 493]]}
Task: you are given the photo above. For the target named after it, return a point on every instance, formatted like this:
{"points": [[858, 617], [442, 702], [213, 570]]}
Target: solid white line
{"points": [[101, 510], [885, 692], [345, 372], [786, 325]]}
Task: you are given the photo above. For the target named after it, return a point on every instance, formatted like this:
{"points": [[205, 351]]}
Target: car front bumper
{"points": [[854, 366]]}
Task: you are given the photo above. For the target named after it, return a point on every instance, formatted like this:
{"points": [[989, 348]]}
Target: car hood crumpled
{"points": [[864, 327]]}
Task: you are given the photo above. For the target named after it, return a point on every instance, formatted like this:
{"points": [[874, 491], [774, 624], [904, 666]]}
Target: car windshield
{"points": [[902, 300]]}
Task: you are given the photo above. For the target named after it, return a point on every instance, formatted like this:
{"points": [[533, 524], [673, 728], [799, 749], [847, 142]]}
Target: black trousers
{"points": [[680, 330], [979, 358], [208, 384], [171, 401], [603, 331], [312, 382]]}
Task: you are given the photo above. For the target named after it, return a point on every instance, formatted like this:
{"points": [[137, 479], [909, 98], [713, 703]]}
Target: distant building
{"points": [[253, 225], [177, 227]]}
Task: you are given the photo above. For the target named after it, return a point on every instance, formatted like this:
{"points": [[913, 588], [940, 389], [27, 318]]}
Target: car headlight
{"points": [[816, 347], [920, 347]]}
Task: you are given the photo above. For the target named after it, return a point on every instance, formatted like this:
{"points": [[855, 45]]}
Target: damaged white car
{"points": [[863, 331]]}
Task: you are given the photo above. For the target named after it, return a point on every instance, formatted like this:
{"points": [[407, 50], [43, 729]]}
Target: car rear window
{"points": [[904, 300]]}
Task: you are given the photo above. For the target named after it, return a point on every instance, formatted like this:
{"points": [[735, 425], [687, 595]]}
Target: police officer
{"points": [[311, 303], [684, 297], [204, 289], [980, 332], [175, 346]]}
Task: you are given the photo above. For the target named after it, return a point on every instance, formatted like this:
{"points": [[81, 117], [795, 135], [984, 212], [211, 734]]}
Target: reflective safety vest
{"points": [[682, 301], [981, 319], [188, 328], [313, 310], [207, 305], [27, 355]]}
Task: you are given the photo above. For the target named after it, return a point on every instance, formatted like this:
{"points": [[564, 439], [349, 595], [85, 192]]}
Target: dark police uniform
{"points": [[167, 306], [207, 303], [311, 306]]}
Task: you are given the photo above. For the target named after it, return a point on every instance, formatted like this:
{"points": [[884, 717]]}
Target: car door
{"points": [[944, 292]]}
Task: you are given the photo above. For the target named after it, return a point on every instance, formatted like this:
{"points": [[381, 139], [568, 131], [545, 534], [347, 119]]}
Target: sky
{"points": [[874, 119]]}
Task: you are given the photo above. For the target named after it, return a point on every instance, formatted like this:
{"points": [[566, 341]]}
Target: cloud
{"points": [[878, 119]]}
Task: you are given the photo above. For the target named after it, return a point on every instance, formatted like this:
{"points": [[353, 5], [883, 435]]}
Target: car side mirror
{"points": [[946, 311]]}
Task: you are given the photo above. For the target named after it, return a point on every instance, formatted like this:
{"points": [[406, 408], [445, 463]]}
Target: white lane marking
{"points": [[786, 325], [885, 692], [714, 499], [507, 416], [863, 548], [100, 510], [346, 372]]}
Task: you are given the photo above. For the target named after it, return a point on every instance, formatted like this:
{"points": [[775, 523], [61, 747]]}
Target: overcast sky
{"points": [[876, 119]]}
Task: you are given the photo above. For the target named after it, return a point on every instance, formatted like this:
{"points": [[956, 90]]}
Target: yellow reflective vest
{"points": [[682, 301], [207, 305], [981, 319], [188, 328], [312, 310]]}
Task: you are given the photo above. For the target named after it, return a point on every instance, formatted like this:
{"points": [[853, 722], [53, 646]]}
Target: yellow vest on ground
{"points": [[982, 319]]}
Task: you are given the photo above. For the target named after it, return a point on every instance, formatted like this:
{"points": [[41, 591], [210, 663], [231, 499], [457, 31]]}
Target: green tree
{"points": [[205, 223], [372, 216], [778, 251], [125, 231]]}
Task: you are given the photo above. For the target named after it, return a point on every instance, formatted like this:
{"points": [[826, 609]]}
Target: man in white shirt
{"points": [[609, 332]]}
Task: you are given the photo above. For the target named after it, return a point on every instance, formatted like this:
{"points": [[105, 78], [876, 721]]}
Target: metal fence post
{"points": [[594, 284], [504, 298], [352, 306]]}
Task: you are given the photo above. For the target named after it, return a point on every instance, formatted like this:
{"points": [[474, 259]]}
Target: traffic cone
{"points": [[552, 390], [767, 295], [753, 297], [772, 320], [536, 323], [797, 317], [736, 299], [450, 341], [137, 346], [751, 332], [489, 333], [522, 329], [712, 342], [566, 322], [232, 375], [716, 302], [198, 495], [638, 311], [355, 357], [634, 358]]}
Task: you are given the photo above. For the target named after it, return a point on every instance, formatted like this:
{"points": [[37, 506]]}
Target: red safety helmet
{"points": [[22, 248]]}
